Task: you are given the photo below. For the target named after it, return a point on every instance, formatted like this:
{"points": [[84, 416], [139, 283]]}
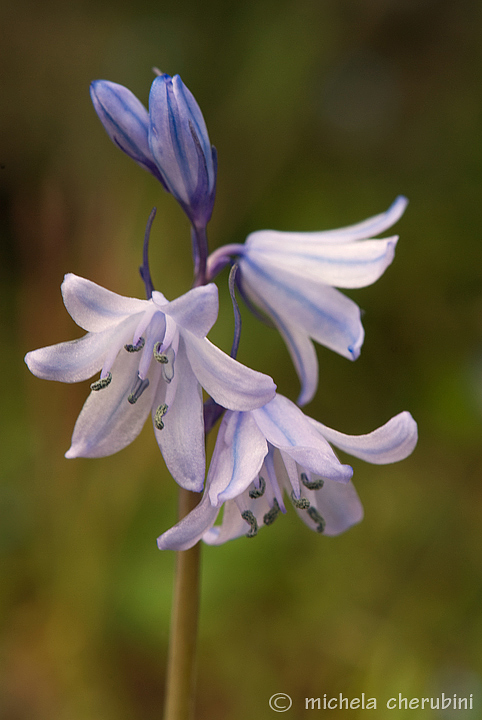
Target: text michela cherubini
{"points": [[341, 702]]}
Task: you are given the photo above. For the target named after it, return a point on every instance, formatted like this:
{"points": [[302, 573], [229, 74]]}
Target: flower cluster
{"points": [[154, 358]]}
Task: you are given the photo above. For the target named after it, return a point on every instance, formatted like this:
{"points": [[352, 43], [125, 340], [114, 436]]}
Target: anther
{"points": [[251, 520], [257, 492], [272, 514], [139, 387], [311, 484], [167, 360], [160, 357], [160, 412], [301, 502], [138, 346], [317, 518], [102, 382], [167, 369]]}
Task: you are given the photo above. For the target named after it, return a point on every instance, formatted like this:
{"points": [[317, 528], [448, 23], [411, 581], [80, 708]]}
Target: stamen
{"points": [[311, 484], [257, 492], [251, 520], [272, 514], [160, 357], [139, 387], [167, 370], [102, 382], [167, 361], [301, 502], [160, 412], [138, 346], [317, 518]]}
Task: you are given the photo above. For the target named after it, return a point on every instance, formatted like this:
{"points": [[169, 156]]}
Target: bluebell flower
{"points": [[261, 454], [171, 140], [292, 278], [154, 358]]}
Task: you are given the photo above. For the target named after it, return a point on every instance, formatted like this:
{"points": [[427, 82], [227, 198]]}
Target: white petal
{"points": [[196, 310], [301, 350], [72, 361], [182, 438], [366, 229], [231, 384], [287, 428], [392, 442], [338, 505], [190, 529], [290, 470], [232, 526], [93, 307], [348, 265], [108, 422], [292, 300], [372, 226], [238, 456], [304, 358]]}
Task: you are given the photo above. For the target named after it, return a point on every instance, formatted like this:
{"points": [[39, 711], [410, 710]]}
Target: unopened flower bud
{"points": [[180, 146], [126, 121]]}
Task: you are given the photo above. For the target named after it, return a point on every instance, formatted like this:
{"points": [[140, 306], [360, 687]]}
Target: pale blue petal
{"points": [[286, 427], [125, 120], [93, 307], [190, 529], [328, 316], [182, 438], [196, 310], [304, 358], [238, 456], [371, 227], [366, 229], [108, 422], [76, 360], [390, 443], [232, 526], [348, 265], [299, 345], [290, 470], [337, 503], [231, 384], [301, 310]]}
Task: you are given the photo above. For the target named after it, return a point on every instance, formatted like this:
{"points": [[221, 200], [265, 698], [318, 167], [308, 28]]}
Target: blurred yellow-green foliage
{"points": [[322, 112]]}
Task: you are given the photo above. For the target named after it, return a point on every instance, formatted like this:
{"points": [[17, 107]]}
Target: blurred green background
{"points": [[322, 113]]}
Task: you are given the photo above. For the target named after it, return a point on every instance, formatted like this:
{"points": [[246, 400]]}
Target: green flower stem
{"points": [[180, 682]]}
